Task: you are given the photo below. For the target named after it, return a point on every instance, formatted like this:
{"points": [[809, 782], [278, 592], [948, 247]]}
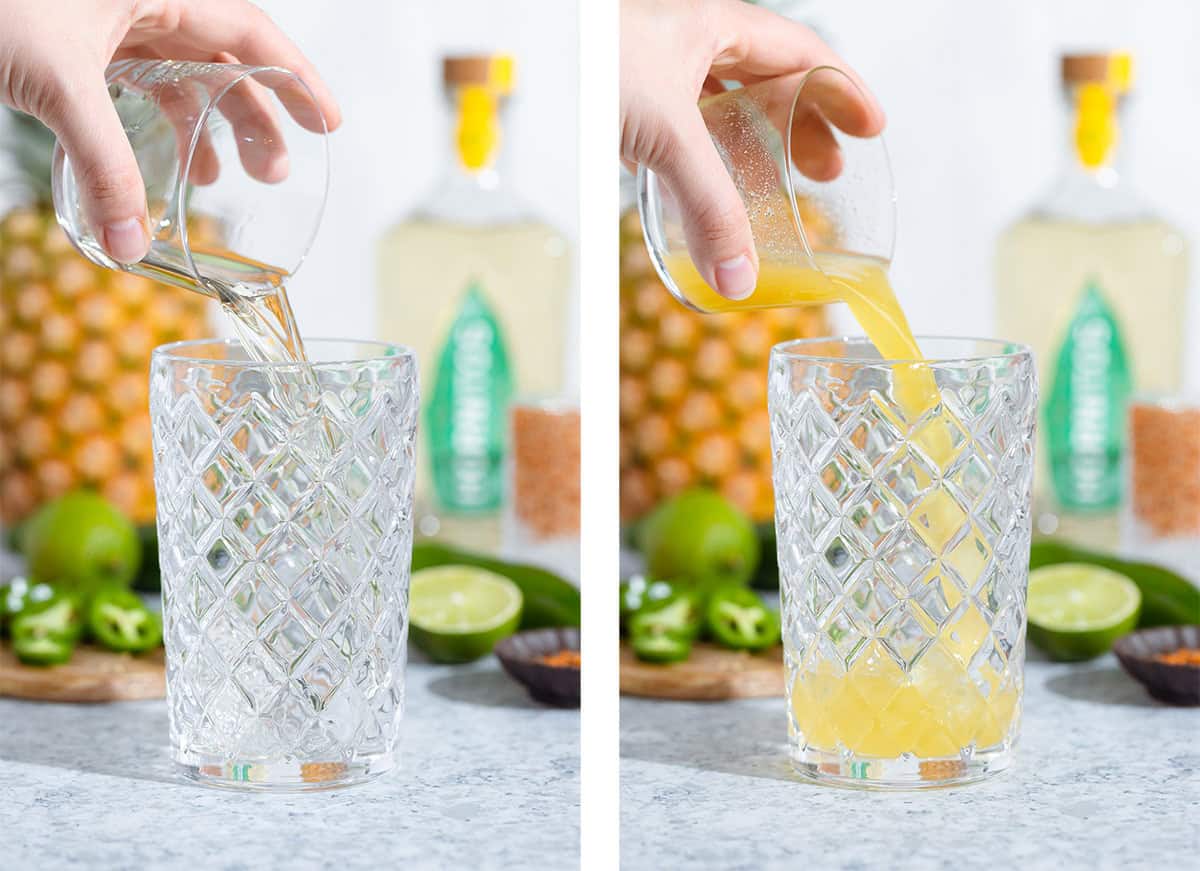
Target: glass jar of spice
{"points": [[542, 523], [1162, 513]]}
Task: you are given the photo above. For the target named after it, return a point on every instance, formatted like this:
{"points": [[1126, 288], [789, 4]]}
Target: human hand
{"points": [[52, 66], [675, 51]]}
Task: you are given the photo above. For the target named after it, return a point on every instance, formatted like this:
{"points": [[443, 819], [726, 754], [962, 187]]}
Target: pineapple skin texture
{"points": [[75, 344], [693, 390]]}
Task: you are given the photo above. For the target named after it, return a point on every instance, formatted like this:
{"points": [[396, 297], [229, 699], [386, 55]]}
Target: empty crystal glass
{"points": [[903, 533], [285, 539]]}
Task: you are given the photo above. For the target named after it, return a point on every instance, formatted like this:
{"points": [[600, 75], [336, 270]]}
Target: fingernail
{"points": [[736, 277], [126, 241]]}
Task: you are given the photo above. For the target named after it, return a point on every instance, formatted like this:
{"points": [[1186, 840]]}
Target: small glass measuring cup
{"points": [[235, 161], [774, 138]]}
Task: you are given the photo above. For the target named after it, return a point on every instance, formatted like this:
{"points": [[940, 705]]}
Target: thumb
{"points": [[714, 217], [111, 190]]}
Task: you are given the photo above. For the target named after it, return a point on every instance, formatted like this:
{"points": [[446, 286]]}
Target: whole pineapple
{"points": [[694, 390], [75, 343]]}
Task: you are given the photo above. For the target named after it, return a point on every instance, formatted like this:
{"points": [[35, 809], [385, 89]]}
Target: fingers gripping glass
{"points": [[812, 183], [235, 163]]}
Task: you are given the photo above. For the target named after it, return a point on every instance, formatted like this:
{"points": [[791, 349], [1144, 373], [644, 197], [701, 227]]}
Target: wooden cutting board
{"points": [[711, 673], [92, 675]]}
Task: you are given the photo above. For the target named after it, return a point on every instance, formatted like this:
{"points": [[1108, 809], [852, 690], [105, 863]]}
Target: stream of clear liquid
{"points": [[255, 302]]}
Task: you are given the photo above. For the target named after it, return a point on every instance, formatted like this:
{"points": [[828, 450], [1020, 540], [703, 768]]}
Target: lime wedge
{"points": [[1077, 611], [458, 613]]}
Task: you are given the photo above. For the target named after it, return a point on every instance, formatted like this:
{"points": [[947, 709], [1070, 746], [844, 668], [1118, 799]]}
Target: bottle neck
{"points": [[470, 191], [1091, 185], [1094, 136], [477, 136]]}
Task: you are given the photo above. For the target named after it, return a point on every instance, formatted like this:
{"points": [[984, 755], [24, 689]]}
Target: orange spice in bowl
{"points": [[1181, 656], [562, 659]]}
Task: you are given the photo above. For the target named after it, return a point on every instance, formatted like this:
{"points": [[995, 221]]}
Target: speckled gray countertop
{"points": [[487, 779], [1104, 777]]}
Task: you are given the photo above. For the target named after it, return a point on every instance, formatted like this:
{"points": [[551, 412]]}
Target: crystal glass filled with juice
{"points": [[902, 491]]}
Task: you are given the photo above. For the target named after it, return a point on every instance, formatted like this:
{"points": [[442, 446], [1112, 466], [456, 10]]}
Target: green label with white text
{"points": [[1084, 414], [466, 414]]}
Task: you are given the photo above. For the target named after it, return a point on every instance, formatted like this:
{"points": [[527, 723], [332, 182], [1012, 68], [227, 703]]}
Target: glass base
{"points": [[902, 773], [283, 775]]}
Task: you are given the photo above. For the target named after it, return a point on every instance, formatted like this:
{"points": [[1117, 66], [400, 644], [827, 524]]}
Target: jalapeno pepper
{"points": [[33, 648], [118, 620], [680, 615], [17, 595], [661, 648], [45, 632], [637, 592], [737, 618]]}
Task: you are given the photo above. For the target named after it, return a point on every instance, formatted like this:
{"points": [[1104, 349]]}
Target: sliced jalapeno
{"points": [[639, 591], [118, 620], [45, 632], [680, 614], [738, 619], [661, 648]]}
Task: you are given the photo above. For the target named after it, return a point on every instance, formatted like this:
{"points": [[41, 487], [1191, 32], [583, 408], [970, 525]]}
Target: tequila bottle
{"points": [[477, 285], [1095, 282]]}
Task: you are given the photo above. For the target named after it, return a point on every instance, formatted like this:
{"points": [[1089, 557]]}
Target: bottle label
{"points": [[466, 415], [1085, 412]]}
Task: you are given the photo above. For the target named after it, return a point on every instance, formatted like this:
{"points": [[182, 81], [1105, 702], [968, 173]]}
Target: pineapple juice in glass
{"points": [[901, 470], [903, 536]]}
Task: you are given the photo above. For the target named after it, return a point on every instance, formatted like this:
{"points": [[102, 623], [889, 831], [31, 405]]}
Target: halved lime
{"points": [[458, 613], [1077, 611]]}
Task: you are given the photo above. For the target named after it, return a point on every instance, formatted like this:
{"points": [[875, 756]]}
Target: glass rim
{"points": [[1004, 350], [175, 352]]}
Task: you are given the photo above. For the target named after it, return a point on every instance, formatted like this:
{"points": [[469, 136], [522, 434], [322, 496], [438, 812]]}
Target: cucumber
{"points": [[1168, 599], [549, 599]]}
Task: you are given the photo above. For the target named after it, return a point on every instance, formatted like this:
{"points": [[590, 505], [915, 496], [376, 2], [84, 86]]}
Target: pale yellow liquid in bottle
{"points": [[875, 708]]}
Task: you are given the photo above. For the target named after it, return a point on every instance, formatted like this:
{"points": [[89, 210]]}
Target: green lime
{"points": [[699, 538], [80, 542], [458, 613], [1077, 611], [1168, 599]]}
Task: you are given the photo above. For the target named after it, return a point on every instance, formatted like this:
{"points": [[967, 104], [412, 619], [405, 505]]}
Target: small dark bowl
{"points": [[1173, 684], [549, 684]]}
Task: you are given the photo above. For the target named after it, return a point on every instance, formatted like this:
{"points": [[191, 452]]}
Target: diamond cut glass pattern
{"points": [[285, 538], [903, 541]]}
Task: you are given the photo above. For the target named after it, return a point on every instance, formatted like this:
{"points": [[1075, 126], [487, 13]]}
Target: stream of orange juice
{"points": [[933, 708]]}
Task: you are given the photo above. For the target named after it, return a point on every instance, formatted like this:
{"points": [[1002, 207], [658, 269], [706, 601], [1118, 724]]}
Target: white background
{"points": [[976, 130]]}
